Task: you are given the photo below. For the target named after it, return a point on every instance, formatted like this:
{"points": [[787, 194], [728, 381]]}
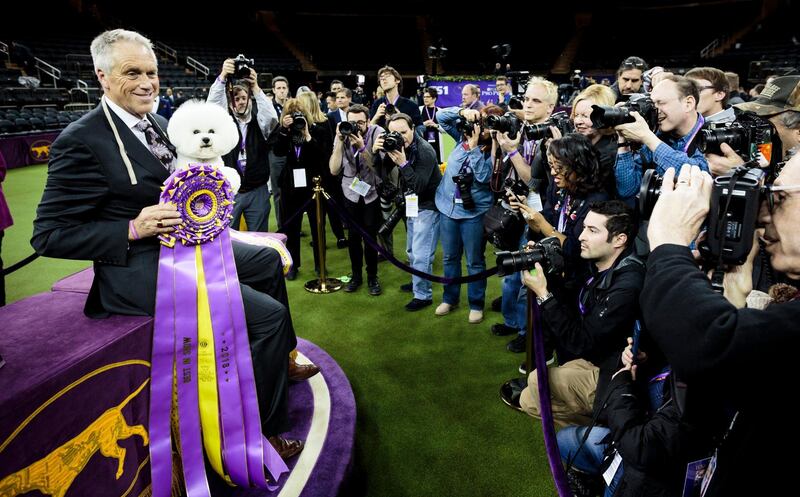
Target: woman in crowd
{"points": [[605, 141]]}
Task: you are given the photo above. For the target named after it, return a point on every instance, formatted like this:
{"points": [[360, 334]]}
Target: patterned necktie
{"points": [[157, 145]]}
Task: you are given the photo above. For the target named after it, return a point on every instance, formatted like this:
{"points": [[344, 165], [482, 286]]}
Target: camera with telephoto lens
{"points": [[390, 195], [241, 66], [346, 128], [735, 202], [392, 140], [507, 123], [502, 226], [546, 252], [466, 127], [604, 117], [542, 130], [749, 135], [463, 181]]}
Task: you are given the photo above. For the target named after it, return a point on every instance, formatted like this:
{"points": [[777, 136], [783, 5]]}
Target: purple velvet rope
{"points": [[391, 258], [194, 469], [161, 380], [545, 407]]}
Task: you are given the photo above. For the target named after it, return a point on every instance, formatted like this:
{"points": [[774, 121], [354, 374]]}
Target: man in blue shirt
{"points": [[676, 99]]}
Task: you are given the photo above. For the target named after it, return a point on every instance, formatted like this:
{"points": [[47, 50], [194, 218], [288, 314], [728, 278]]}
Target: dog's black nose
{"points": [[206, 140]]}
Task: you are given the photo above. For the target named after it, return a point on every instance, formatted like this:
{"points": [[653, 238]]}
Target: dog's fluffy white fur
{"points": [[202, 133]]}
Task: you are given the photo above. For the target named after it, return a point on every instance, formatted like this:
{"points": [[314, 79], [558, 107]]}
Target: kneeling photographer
{"points": [[462, 198], [715, 346], [419, 176], [590, 335], [663, 126], [236, 89]]}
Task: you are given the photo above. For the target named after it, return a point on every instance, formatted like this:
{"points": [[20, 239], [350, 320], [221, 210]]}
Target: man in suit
{"points": [[101, 203], [338, 114]]}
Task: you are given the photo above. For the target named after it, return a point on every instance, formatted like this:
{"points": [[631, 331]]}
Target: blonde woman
{"points": [[605, 140]]}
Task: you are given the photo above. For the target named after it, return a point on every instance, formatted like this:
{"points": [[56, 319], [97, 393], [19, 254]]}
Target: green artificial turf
{"points": [[430, 422]]}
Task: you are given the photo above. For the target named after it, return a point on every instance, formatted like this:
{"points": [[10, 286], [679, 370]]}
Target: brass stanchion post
{"points": [[323, 284]]}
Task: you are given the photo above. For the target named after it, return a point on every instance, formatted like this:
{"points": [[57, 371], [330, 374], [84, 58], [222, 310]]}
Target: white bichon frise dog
{"points": [[202, 133]]}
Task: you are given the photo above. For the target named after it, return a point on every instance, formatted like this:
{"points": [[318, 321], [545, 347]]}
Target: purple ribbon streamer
{"points": [[185, 295]]}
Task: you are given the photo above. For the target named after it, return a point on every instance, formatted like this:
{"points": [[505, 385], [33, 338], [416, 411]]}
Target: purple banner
{"points": [[450, 91], [18, 151]]}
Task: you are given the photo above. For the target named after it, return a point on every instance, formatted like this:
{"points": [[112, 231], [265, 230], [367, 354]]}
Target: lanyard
{"points": [[297, 149], [428, 114], [562, 217], [693, 132], [528, 147]]}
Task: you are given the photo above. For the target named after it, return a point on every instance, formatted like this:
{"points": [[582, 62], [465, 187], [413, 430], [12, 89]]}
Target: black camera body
{"points": [[507, 123], [749, 135], [393, 140], [559, 120], [733, 216], [464, 180], [503, 227], [466, 127], [604, 117], [346, 128], [241, 66], [389, 110], [390, 195], [546, 252]]}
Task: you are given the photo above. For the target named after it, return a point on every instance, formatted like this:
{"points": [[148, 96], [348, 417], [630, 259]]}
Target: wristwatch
{"points": [[542, 300]]}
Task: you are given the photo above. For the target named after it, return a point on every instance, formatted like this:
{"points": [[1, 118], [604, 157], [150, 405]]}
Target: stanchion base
{"points": [[328, 285]]}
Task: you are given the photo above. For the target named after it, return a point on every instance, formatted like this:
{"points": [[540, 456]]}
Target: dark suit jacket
{"points": [[87, 203], [333, 119]]}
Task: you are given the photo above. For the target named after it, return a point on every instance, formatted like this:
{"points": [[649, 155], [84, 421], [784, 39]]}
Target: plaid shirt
{"points": [[670, 153]]}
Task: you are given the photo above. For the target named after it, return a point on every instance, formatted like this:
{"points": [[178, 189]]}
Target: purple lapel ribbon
{"points": [[204, 200]]}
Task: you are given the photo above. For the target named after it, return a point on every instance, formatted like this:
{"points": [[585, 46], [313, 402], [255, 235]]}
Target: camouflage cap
{"points": [[781, 95]]}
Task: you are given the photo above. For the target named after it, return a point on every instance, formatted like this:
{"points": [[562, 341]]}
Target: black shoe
{"points": [[302, 234], [497, 304], [501, 330], [374, 286], [352, 285], [408, 288], [341, 243], [292, 274], [517, 345], [417, 304], [511, 391]]}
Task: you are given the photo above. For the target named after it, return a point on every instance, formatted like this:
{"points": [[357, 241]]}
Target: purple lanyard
{"points": [[562, 217], [297, 152], [528, 148], [428, 114], [580, 296], [693, 132]]}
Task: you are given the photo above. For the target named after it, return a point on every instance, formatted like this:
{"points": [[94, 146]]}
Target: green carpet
{"points": [[430, 422]]}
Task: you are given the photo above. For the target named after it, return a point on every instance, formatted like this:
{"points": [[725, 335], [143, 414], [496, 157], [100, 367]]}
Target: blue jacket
{"points": [[481, 164]]}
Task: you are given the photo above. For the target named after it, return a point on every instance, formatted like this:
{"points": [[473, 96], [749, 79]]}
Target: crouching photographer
{"points": [[662, 127], [236, 89], [715, 346], [462, 198], [419, 176]]}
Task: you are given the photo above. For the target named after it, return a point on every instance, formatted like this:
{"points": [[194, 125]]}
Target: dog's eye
{"points": [[211, 131], [197, 131]]}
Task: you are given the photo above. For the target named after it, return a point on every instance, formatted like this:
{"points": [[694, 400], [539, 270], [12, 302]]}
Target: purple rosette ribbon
{"points": [[196, 278]]}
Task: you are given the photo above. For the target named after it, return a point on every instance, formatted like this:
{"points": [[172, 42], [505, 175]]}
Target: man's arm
{"points": [[216, 94], [418, 175], [665, 157], [267, 117], [447, 120], [628, 173]]}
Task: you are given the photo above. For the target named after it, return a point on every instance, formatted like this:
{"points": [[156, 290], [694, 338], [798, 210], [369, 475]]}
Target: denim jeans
{"points": [[255, 207], [459, 236], [590, 458], [514, 315], [421, 240]]}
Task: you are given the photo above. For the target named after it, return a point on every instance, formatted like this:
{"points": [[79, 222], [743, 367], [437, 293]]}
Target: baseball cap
{"points": [[780, 95]]}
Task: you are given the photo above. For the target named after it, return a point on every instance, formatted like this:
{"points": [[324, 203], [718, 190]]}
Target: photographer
{"points": [[779, 102], [712, 86], [255, 118], [471, 97], [463, 197], [630, 77], [392, 102], [589, 336], [716, 347], [305, 147], [352, 157], [419, 176], [604, 140], [676, 99], [504, 91], [430, 121]]}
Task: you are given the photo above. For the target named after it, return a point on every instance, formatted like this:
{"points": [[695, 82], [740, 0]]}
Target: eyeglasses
{"points": [[773, 200], [358, 123]]}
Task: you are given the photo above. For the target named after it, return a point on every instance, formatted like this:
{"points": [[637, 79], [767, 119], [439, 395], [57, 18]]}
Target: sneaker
{"points": [[475, 317], [352, 285], [510, 392], [497, 304], [417, 304], [374, 286], [444, 309], [408, 288], [341, 243], [501, 330], [517, 345]]}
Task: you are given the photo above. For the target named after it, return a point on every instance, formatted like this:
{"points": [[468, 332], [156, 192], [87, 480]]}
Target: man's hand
{"points": [[357, 140], [507, 144], [155, 220], [252, 80], [681, 208], [535, 280], [470, 114], [430, 124], [397, 156], [227, 69], [472, 140], [725, 163], [627, 355], [738, 280], [381, 112], [377, 145], [638, 131]]}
